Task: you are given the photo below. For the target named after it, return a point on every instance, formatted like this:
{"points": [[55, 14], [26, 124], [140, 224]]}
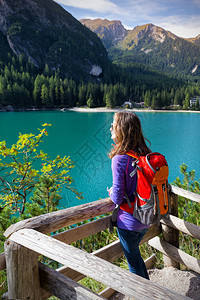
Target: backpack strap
{"points": [[128, 206], [132, 154], [156, 200], [128, 201], [113, 219]]}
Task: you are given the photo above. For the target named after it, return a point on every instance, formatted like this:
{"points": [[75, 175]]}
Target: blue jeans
{"points": [[130, 244]]}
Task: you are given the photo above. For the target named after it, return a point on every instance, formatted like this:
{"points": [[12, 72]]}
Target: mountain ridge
{"points": [[105, 29], [93, 24], [149, 44]]}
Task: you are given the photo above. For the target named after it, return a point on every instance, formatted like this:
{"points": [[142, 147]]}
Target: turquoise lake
{"points": [[85, 137]]}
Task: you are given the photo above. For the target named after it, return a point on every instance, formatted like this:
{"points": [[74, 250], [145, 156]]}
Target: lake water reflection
{"points": [[86, 138]]}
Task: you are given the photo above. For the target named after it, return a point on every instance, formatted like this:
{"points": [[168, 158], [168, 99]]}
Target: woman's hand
{"points": [[109, 190]]}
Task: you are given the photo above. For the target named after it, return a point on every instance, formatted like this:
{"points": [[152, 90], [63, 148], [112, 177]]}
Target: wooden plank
{"points": [[119, 279], [176, 254], [108, 292], [93, 227], [149, 262], [64, 287], [22, 272], [184, 226], [73, 234], [83, 231], [2, 261], [109, 253], [171, 235], [62, 218], [53, 221], [186, 194]]}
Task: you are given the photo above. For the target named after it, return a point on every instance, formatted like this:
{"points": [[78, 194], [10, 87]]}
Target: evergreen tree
{"points": [[154, 102], [197, 103], [147, 99], [90, 103], [2, 92], [177, 98], [46, 194], [110, 101], [82, 94], [46, 70], [186, 103], [45, 95], [62, 95], [57, 95]]}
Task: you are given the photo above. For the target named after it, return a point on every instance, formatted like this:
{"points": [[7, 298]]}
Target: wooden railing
{"points": [[27, 239]]}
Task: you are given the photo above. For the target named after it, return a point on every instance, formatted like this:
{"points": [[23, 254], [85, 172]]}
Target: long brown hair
{"points": [[129, 136]]}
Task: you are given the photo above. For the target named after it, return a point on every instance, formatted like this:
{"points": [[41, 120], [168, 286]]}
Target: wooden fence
{"points": [[27, 239]]}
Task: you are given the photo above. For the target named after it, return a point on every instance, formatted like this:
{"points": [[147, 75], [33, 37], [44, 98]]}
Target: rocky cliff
{"points": [[110, 32], [42, 31]]}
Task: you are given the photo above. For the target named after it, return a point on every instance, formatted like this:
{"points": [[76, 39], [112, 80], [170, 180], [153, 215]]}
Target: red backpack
{"points": [[151, 196]]}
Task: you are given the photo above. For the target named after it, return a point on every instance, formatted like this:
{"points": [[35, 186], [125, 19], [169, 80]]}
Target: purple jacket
{"points": [[125, 179]]}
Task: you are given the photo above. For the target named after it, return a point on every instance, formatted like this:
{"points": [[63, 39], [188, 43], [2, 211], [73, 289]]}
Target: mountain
{"points": [[44, 33], [195, 40], [149, 45], [110, 32]]}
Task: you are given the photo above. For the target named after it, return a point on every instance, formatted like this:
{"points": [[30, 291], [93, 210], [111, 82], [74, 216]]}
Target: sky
{"points": [[181, 17]]}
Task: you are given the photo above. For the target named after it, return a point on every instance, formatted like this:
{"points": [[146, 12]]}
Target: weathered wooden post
{"points": [[22, 272], [171, 235]]}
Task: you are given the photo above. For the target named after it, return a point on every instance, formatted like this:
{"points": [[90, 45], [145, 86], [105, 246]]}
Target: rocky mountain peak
{"points": [[45, 33], [112, 31]]}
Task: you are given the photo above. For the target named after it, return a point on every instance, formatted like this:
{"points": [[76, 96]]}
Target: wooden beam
{"points": [[108, 292], [181, 225], [83, 231], [93, 227], [184, 226], [186, 194], [53, 221], [22, 272], [2, 261], [64, 287], [62, 218], [176, 254], [88, 229], [109, 253], [149, 262], [118, 279], [170, 234]]}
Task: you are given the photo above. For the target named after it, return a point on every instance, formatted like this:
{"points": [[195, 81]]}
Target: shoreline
{"points": [[104, 109], [101, 109]]}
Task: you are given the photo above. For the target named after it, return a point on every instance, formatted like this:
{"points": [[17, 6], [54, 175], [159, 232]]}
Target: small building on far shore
{"points": [[139, 104], [127, 104], [193, 100]]}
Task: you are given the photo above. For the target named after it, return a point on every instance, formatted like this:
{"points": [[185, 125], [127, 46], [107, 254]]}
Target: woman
{"points": [[127, 134]]}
